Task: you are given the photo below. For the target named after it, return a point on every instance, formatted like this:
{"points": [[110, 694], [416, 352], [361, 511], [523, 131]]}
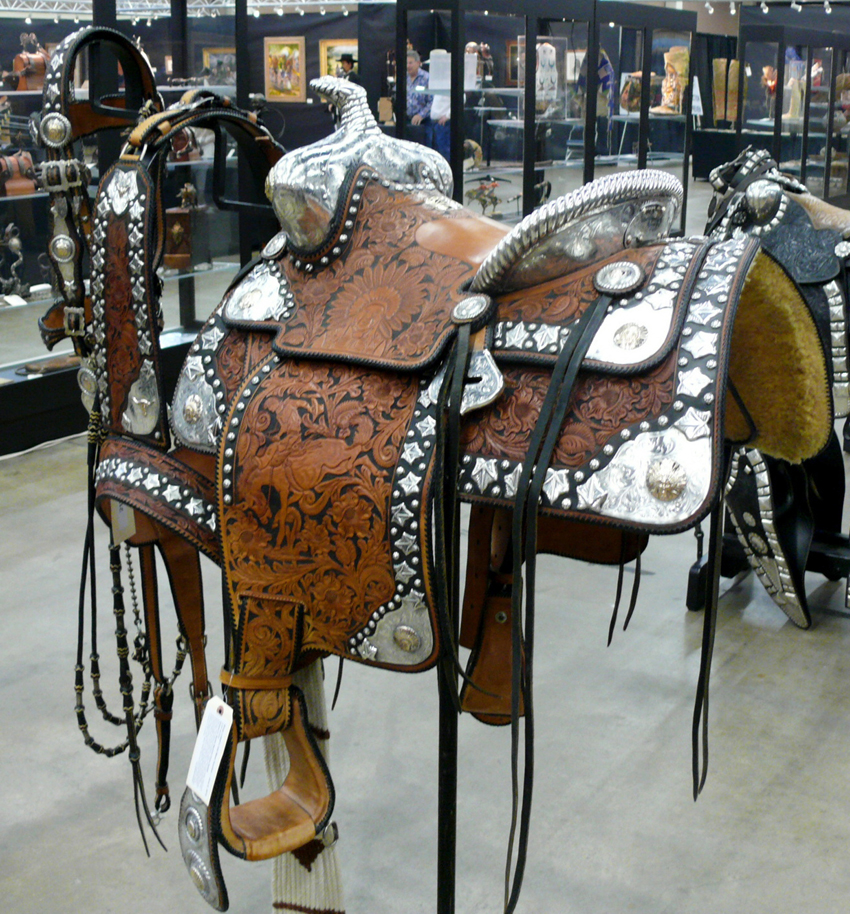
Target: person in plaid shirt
{"points": [[418, 103]]}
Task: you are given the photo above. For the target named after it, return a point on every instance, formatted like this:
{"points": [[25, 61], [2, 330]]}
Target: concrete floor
{"points": [[614, 826]]}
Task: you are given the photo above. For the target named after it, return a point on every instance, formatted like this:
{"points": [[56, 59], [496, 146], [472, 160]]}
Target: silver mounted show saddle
{"points": [[579, 381]]}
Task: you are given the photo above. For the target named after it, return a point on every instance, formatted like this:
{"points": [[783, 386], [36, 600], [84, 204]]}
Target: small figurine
{"points": [[14, 285], [188, 196]]}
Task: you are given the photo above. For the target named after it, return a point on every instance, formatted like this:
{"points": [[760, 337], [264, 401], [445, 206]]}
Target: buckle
{"points": [[75, 321]]}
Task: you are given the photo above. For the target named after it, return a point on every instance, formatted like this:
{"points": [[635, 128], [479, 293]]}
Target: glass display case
{"points": [[514, 127], [795, 84], [525, 127], [646, 122]]}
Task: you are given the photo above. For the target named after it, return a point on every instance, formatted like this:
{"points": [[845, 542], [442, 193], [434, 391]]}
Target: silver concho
{"points": [[759, 546], [630, 336], [666, 479], [63, 248], [407, 638], [749, 519], [842, 249], [55, 130], [275, 247], [762, 199], [88, 385], [471, 308], [619, 277], [193, 409]]}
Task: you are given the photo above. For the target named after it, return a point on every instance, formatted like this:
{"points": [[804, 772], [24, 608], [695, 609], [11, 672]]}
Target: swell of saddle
{"points": [[778, 368]]}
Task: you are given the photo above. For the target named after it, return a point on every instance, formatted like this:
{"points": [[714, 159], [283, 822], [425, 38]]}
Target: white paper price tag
{"points": [[123, 522], [209, 748]]}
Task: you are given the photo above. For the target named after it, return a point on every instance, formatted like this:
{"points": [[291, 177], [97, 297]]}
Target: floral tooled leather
{"points": [[122, 336], [307, 531], [388, 301], [600, 407]]}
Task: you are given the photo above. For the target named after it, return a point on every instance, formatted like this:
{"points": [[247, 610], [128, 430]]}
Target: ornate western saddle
{"points": [[388, 356]]}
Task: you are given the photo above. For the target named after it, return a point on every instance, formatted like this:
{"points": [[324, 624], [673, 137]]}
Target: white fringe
{"points": [[294, 887]]}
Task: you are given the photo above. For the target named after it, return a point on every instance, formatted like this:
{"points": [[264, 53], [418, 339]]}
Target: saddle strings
{"points": [[542, 443], [699, 730]]}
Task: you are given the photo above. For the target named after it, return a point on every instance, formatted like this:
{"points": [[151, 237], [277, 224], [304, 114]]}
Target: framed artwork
{"points": [[221, 62], [330, 51], [284, 69], [511, 62]]}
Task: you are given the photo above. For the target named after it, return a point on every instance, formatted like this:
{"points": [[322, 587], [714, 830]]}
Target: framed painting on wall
{"points": [[511, 62], [330, 54], [284, 69], [221, 62]]}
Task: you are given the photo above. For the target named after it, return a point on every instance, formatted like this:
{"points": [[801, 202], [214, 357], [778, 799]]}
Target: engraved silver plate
{"points": [[619, 278], [142, 415]]}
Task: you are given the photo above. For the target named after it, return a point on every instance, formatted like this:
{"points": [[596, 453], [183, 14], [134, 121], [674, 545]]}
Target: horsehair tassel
{"points": [[299, 883]]}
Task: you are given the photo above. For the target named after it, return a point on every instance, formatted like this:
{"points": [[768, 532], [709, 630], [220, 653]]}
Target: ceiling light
{"points": [[797, 7], [214, 14], [732, 8], [764, 7], [826, 7], [279, 11], [28, 20], [709, 7], [322, 10]]}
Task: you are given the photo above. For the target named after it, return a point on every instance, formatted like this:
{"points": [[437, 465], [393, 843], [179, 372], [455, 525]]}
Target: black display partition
{"points": [[794, 92]]}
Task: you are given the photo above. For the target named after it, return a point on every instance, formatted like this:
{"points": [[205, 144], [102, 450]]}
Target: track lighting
{"points": [[709, 7], [732, 8], [28, 20], [826, 7], [797, 7], [764, 7]]}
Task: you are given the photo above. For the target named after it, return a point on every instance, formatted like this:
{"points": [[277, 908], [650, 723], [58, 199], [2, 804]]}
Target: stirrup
{"points": [[260, 829]]}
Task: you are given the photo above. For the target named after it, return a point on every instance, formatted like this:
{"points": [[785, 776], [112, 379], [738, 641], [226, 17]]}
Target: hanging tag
{"points": [[214, 731], [123, 522]]}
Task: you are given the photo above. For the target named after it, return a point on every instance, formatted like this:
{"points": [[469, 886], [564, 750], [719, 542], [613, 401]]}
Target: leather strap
{"points": [[529, 489], [255, 683]]}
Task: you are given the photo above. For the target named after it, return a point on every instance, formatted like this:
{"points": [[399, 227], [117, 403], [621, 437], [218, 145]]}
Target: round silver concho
{"points": [[88, 385], [407, 638], [842, 249], [618, 278], [55, 130], [666, 479], [193, 408], [63, 248], [194, 825], [200, 874], [630, 336], [762, 200], [471, 308], [275, 247]]}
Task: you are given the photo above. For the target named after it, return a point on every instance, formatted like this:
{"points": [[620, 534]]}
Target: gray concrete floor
{"points": [[615, 828]]}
